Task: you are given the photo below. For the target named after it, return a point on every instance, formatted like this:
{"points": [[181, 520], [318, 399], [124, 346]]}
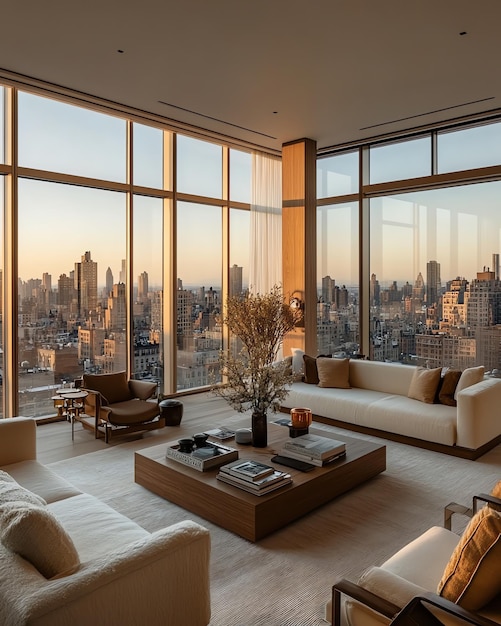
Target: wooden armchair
{"points": [[118, 406], [404, 589]]}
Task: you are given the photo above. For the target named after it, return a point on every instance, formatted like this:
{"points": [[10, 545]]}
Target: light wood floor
{"points": [[54, 442]]}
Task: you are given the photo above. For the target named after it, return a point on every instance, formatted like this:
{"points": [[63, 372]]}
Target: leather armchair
{"points": [[120, 406]]}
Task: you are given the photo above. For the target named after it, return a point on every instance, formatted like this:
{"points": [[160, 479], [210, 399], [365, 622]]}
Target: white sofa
{"points": [[377, 403], [126, 576]]}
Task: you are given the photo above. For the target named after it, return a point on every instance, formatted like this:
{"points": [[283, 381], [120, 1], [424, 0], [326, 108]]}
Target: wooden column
{"points": [[299, 195]]}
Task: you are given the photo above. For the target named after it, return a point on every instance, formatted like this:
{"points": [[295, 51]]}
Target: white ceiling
{"points": [[268, 71]]}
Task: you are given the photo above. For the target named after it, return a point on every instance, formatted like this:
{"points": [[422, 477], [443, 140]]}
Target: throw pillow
{"points": [[424, 384], [333, 373], [297, 360], [11, 491], [288, 365], [448, 387], [470, 376], [472, 578], [310, 370], [34, 533], [496, 490]]}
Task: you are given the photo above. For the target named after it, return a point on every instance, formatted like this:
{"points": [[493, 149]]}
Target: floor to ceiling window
{"points": [[70, 245], [199, 268], [435, 289], [430, 209], [147, 308], [338, 256], [97, 233]]}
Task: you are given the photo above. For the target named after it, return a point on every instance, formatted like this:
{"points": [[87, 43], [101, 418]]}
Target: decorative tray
{"points": [[214, 455]]}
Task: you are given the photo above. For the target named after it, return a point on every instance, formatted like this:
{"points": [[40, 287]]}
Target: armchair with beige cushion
{"points": [[119, 406], [457, 578]]}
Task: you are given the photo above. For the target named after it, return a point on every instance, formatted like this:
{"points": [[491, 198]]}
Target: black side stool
{"points": [[171, 411]]}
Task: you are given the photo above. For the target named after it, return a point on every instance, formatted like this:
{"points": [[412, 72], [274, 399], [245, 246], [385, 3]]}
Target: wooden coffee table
{"points": [[254, 517]]}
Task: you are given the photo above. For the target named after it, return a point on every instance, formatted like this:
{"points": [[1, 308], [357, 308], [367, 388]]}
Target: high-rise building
{"points": [[375, 291], [495, 265], [484, 301], [418, 289], [328, 289], [142, 287], [65, 290], [236, 280], [454, 303], [116, 313], [433, 283], [122, 275], [85, 281], [109, 281]]}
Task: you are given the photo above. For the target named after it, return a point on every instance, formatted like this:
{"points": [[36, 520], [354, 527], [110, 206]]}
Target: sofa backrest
{"points": [[380, 376], [113, 387]]}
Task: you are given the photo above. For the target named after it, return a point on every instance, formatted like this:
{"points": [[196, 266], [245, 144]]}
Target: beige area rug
{"points": [[286, 578]]}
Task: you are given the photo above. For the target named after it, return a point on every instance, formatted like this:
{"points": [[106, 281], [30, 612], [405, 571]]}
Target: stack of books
{"points": [[314, 449], [254, 477]]}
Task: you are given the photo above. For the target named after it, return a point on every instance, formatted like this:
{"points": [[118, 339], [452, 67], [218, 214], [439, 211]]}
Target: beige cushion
{"points": [[470, 376], [11, 491], [448, 386], [297, 360], [113, 387], [34, 533], [424, 384], [472, 578], [288, 365], [333, 373]]}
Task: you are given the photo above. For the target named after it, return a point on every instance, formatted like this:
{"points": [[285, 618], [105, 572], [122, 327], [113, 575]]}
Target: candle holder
{"points": [[301, 419]]}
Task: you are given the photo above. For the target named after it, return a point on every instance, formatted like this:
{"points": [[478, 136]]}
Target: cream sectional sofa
{"points": [[377, 404], [125, 576]]}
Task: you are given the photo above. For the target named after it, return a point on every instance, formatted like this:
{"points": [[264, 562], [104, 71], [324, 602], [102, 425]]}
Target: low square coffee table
{"points": [[254, 517]]}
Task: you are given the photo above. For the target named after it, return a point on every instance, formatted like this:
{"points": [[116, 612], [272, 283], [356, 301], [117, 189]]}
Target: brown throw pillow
{"points": [[424, 384], [472, 578], [310, 370], [448, 387], [333, 373]]}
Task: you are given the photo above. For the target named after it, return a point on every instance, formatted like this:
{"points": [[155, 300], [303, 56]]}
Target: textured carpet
{"points": [[285, 579]]}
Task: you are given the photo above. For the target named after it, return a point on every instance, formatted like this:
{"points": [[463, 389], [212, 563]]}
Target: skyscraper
{"points": [[142, 287], [235, 280], [85, 281], [109, 281], [328, 287], [433, 283], [484, 302], [122, 275], [495, 265]]}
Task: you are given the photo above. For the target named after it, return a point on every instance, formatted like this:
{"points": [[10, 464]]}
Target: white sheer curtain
{"points": [[265, 269]]}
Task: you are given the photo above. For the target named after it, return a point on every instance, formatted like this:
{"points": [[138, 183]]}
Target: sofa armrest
{"points": [[162, 579], [142, 389], [478, 420], [367, 598], [18, 440]]}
